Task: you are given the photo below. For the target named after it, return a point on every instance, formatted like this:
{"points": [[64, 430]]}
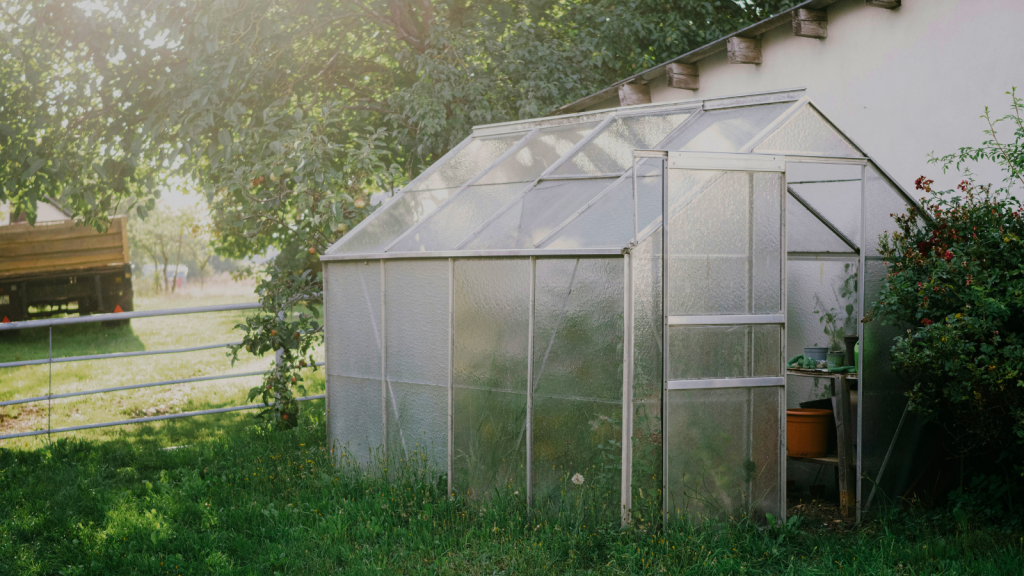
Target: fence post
{"points": [[49, 390]]}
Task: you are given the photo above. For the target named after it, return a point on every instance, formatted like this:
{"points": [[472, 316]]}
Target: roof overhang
{"points": [[755, 30]]}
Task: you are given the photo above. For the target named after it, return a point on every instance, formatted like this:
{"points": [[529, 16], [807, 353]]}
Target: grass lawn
{"points": [[253, 502], [141, 334]]}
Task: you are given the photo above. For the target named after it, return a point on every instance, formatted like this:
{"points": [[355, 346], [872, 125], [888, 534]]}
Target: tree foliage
{"points": [[957, 286], [288, 114]]}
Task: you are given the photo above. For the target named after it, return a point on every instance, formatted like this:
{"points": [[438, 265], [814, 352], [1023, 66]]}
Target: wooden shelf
{"points": [[819, 373], [829, 460]]}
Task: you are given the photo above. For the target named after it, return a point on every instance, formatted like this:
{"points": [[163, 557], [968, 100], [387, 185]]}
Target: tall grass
{"points": [[257, 502]]}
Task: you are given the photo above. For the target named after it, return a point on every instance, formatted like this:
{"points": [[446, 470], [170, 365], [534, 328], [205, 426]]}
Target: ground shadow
{"points": [[68, 340]]}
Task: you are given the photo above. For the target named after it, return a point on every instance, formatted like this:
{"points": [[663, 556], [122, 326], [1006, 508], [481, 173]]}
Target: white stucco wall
{"points": [[902, 83]]}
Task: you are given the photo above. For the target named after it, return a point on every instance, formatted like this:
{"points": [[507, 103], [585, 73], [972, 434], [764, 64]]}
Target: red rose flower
{"points": [[926, 321]]}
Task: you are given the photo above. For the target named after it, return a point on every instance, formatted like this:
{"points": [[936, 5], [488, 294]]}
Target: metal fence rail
{"points": [[50, 396]]}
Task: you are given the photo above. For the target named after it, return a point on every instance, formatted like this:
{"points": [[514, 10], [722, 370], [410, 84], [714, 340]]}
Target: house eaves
{"points": [[691, 57]]}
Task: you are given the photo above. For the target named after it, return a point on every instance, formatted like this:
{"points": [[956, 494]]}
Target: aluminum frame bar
{"points": [[521, 253], [726, 319], [728, 161], [726, 383]]}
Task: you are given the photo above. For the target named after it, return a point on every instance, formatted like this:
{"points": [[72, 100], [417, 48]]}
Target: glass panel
{"points": [[492, 307], [399, 214], [805, 233], [739, 351], [647, 380], [357, 432], [882, 400], [767, 243], [416, 300], [612, 150], [489, 441], [883, 202], [807, 132], [445, 228], [609, 222], [724, 253], [577, 436], [811, 284], [417, 426], [578, 376], [717, 467], [545, 206], [353, 319], [766, 494], [726, 130], [468, 162], [538, 154]]}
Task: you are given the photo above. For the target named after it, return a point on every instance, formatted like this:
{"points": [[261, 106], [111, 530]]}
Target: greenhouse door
{"points": [[724, 346]]}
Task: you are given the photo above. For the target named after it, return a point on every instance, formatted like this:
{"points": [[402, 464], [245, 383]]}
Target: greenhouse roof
{"points": [[565, 184]]}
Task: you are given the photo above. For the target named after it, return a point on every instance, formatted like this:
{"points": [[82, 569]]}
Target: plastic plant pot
{"points": [[816, 353], [807, 432], [835, 359]]}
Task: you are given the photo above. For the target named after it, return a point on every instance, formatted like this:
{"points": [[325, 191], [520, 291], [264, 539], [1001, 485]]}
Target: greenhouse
{"points": [[608, 299]]}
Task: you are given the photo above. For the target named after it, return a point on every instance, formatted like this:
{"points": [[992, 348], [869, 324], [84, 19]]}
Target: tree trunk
{"points": [[177, 261]]}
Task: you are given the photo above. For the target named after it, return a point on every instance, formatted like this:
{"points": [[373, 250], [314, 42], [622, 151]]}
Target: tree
{"points": [[289, 114]]}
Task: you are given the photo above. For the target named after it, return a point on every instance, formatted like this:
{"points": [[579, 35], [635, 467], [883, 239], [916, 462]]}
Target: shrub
{"points": [[956, 283]]}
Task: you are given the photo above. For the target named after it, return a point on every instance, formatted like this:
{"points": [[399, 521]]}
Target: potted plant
{"points": [[834, 323]]}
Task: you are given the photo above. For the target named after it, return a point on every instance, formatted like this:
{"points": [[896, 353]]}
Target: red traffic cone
{"points": [[6, 320], [117, 309]]}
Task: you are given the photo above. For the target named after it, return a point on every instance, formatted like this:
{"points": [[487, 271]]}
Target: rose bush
{"points": [[955, 282]]}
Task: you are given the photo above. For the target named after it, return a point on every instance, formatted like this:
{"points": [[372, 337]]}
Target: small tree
{"points": [[957, 285]]}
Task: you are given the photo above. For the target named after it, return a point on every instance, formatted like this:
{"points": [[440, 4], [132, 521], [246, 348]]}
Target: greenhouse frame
{"points": [[503, 318]]}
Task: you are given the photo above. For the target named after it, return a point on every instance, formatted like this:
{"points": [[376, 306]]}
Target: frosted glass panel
{"points": [[492, 307], [538, 154], [417, 425], [767, 242], [766, 493], [489, 442], [612, 150], [883, 202], [352, 311], [356, 417], [809, 133], [578, 328], [577, 436], [468, 162], [417, 317], [578, 376], [647, 378], [726, 130], [444, 229], [399, 214], [417, 321], [805, 233], [717, 465], [724, 251], [738, 351], [538, 213], [609, 222]]}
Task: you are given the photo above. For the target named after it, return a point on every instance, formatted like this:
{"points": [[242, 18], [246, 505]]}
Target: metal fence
{"points": [[50, 396]]}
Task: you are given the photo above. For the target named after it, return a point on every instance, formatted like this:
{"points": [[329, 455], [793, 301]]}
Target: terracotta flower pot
{"points": [[807, 432]]}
